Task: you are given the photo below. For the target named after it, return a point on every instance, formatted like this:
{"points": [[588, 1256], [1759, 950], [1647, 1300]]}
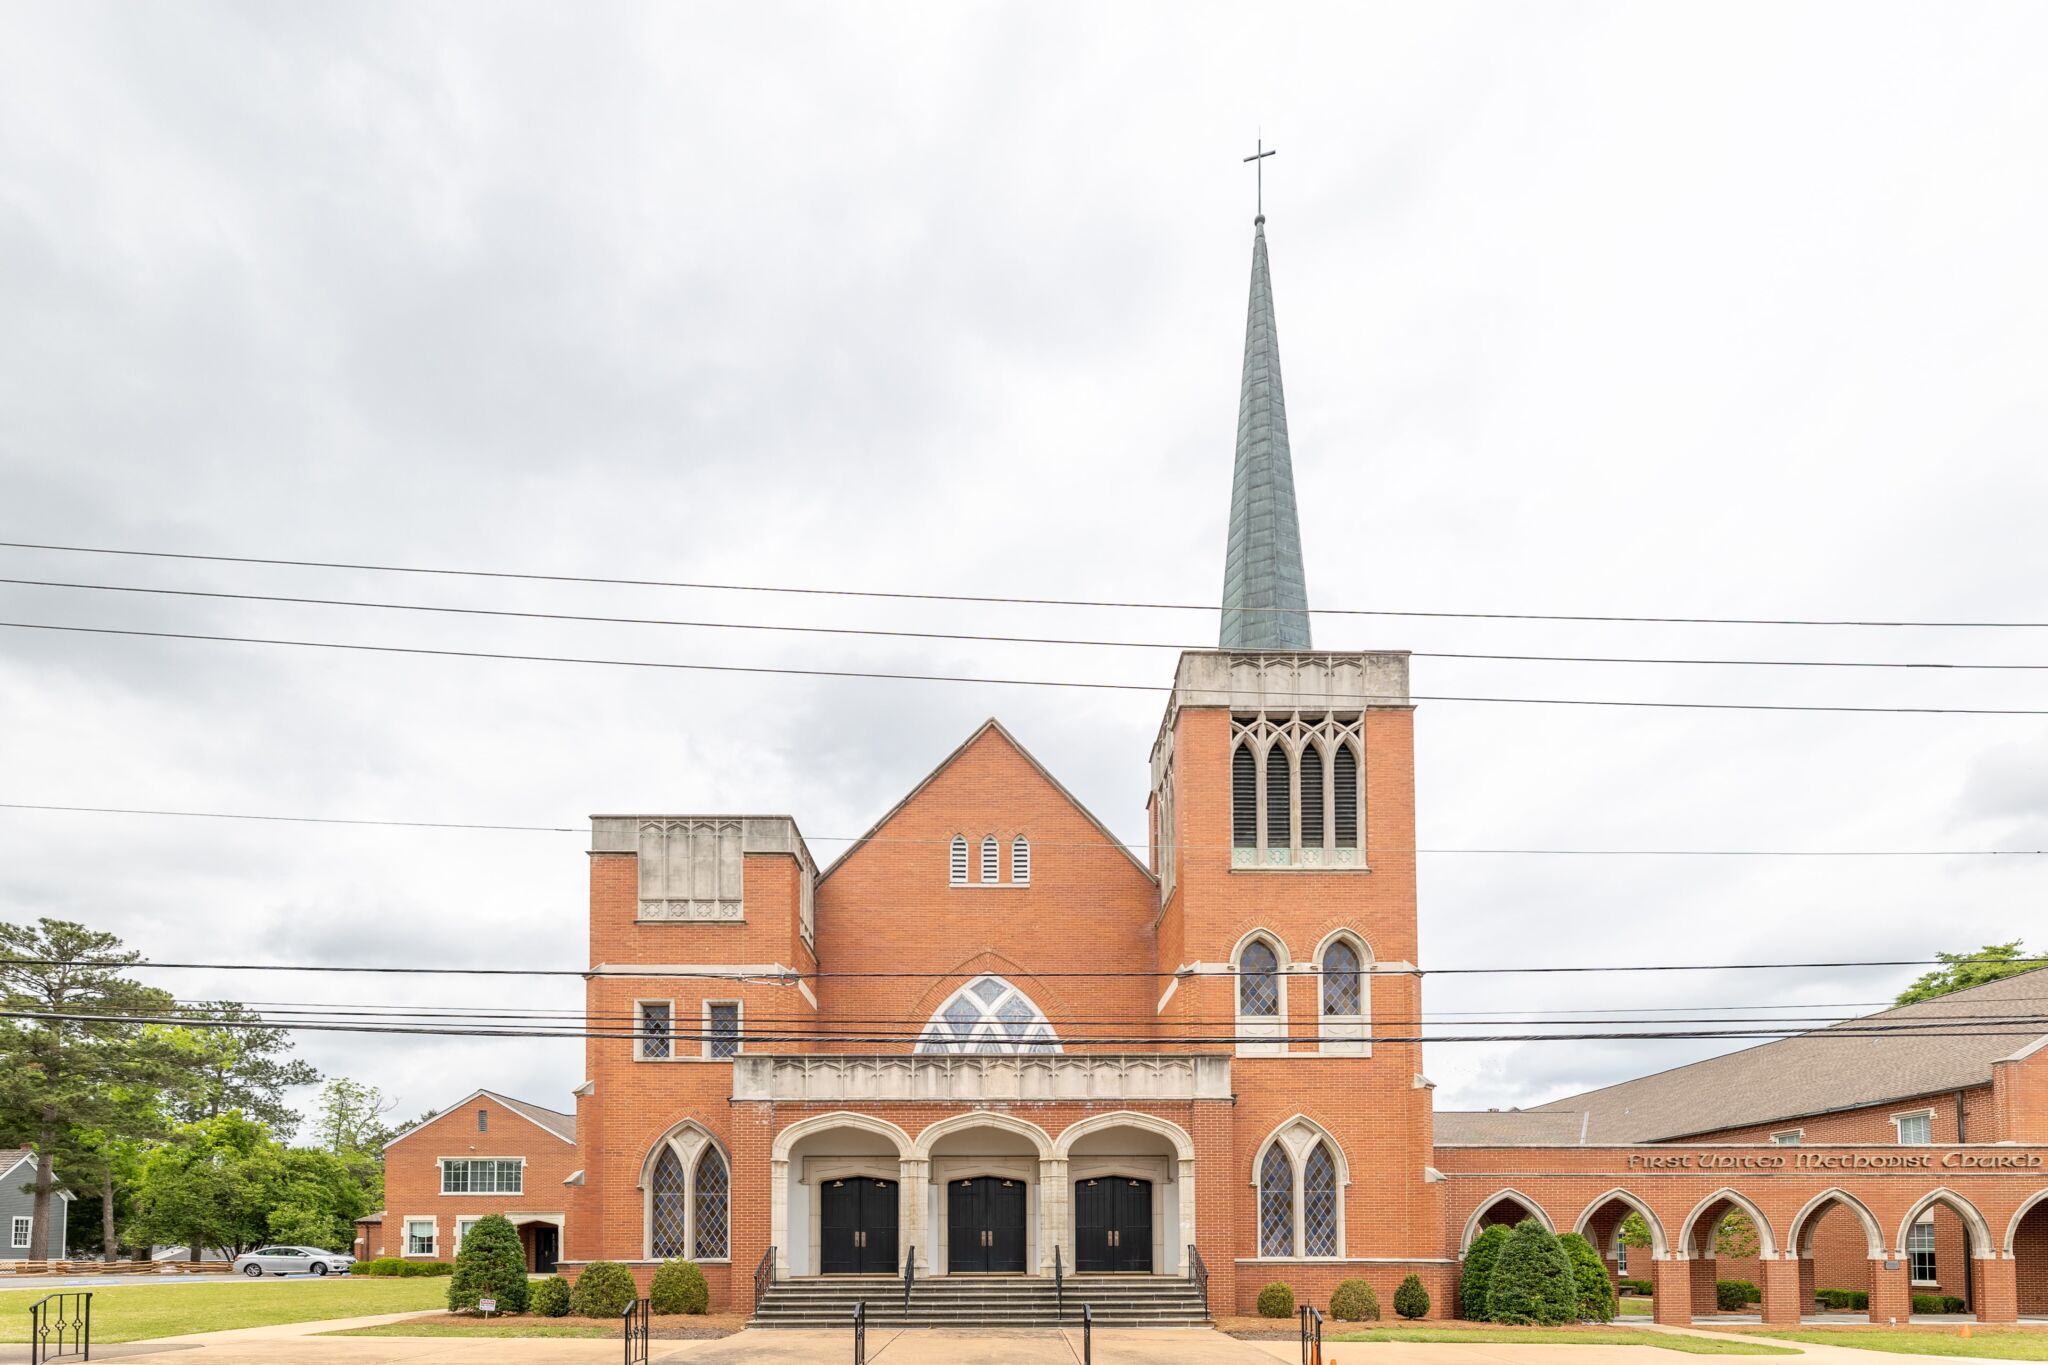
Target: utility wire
{"points": [[1320, 699], [1099, 844], [705, 586], [977, 637]]}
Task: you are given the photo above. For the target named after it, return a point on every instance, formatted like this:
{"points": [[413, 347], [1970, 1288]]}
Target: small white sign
{"points": [[487, 1306]]}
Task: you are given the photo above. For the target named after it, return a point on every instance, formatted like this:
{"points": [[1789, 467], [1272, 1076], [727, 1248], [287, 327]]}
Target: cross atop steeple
{"points": [[1258, 160]]}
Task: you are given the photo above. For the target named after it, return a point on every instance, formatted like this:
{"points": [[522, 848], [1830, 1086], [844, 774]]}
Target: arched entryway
{"points": [[1129, 1180], [1726, 1237], [839, 1199], [983, 1194], [2026, 1242], [1835, 1239], [1606, 1223], [1506, 1208], [1940, 1240]]}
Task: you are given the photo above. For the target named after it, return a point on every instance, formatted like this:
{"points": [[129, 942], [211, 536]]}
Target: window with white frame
{"points": [[1915, 1130], [656, 1018], [419, 1236], [991, 861], [1920, 1251], [1620, 1255], [482, 1175], [1261, 999], [24, 1231], [462, 1227], [959, 864], [1342, 1027], [1790, 1138], [721, 1029], [1020, 861], [989, 1016], [689, 1197], [1301, 1193]]}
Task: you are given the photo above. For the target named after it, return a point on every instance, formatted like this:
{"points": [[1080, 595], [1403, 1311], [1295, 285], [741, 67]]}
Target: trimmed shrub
{"points": [[679, 1288], [1640, 1288], [1732, 1296], [400, 1267], [1937, 1303], [1411, 1300], [603, 1290], [1843, 1298], [1595, 1292], [1354, 1301], [550, 1298], [491, 1265], [1276, 1300], [1533, 1283], [1478, 1273]]}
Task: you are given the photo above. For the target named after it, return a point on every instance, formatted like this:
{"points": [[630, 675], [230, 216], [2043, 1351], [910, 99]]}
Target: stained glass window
{"points": [[1319, 1204], [713, 1186], [724, 1040], [988, 1015], [1276, 1204], [1258, 985], [666, 1218], [654, 1020], [1341, 994]]}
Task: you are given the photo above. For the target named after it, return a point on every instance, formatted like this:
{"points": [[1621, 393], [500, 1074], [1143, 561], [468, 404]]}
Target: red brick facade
{"points": [[485, 1126]]}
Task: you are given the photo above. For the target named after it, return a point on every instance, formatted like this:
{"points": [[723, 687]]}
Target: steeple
{"points": [[1262, 566]]}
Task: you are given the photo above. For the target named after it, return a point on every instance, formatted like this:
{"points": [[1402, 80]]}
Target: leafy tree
{"points": [[1736, 1237], [1478, 1273], [230, 1061], [1532, 1280], [212, 1184], [351, 1116], [1411, 1300], [65, 1068], [1634, 1231], [490, 1265], [1596, 1291], [1960, 971]]}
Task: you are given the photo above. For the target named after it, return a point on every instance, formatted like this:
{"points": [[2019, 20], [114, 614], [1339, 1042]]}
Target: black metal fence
{"points": [[636, 1320], [1198, 1275], [860, 1332], [1311, 1335], [60, 1328], [764, 1276]]}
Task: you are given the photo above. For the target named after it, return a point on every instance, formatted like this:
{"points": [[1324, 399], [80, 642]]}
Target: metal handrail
{"points": [[1059, 1283], [1087, 1335], [1198, 1274], [636, 1321], [860, 1332], [909, 1278], [1311, 1335], [60, 1328], [764, 1276]]}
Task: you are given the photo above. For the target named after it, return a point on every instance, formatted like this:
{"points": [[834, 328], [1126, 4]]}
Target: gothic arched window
{"points": [[991, 861], [667, 1229], [1279, 797], [1020, 861], [1319, 1204], [1258, 979], [959, 868], [714, 1186], [1341, 993], [1276, 1204], [988, 1015], [1312, 796], [1244, 798], [1345, 785]]}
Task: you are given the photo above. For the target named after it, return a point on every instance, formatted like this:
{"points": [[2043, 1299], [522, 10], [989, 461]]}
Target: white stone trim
{"points": [[854, 1078], [1767, 1246], [1982, 1247], [1299, 1137], [1485, 1206], [1636, 1203]]}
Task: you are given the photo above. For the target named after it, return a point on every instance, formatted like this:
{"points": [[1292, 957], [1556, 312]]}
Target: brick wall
{"points": [[412, 1175]]}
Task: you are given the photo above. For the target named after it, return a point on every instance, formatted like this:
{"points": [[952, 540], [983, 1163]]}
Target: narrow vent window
{"points": [[1278, 797], [1020, 861], [1312, 797], [1346, 785], [959, 859], [991, 860], [1244, 798]]}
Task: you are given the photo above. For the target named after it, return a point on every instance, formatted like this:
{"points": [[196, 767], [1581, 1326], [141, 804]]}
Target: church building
{"points": [[992, 1049]]}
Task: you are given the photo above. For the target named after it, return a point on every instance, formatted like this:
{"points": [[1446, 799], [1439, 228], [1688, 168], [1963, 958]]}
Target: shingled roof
{"points": [[1510, 1128], [1945, 1044]]}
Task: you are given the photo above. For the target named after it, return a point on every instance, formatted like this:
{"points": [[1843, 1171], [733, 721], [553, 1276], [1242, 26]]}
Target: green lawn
{"points": [[1631, 1303], [1570, 1336], [138, 1312], [1984, 1343]]}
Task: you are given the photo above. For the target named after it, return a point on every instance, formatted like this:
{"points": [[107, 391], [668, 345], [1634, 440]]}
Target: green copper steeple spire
{"points": [[1265, 591]]}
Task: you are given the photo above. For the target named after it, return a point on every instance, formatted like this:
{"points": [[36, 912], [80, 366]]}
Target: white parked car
{"points": [[283, 1260]]}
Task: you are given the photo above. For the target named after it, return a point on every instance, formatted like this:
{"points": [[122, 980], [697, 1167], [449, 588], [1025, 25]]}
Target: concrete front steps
{"points": [[983, 1301]]}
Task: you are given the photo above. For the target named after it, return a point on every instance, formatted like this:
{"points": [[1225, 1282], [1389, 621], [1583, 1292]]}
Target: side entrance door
{"points": [[985, 1225], [857, 1227], [1113, 1224], [546, 1247]]}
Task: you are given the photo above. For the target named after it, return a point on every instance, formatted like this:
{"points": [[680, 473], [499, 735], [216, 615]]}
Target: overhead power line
{"points": [[1042, 844], [986, 638], [996, 599], [1323, 699]]}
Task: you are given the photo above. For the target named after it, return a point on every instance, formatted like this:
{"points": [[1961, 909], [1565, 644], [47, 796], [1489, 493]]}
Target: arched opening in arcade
{"points": [[1940, 1241], [1125, 1202], [1836, 1239], [1629, 1237], [2027, 1244], [842, 1206], [1727, 1238], [985, 1203], [1505, 1209]]}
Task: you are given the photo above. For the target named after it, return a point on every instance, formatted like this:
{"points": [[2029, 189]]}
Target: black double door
{"points": [[1113, 1224], [857, 1227], [984, 1225]]}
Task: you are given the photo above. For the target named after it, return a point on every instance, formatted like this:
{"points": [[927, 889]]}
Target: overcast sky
{"points": [[1708, 309]]}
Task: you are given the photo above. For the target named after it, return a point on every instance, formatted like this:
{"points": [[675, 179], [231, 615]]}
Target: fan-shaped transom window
{"points": [[1258, 980], [959, 864], [1342, 994], [988, 1015]]}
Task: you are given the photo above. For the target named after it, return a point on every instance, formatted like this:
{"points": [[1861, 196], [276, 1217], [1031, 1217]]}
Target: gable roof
{"points": [[990, 724], [1943, 1044], [1510, 1128], [22, 1154], [561, 1125]]}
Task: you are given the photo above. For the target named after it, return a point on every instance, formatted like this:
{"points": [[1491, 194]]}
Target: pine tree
{"points": [[1595, 1290], [1478, 1275], [1532, 1280], [491, 1265]]}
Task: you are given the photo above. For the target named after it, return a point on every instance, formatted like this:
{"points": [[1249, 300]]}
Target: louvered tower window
{"points": [[1312, 796], [1258, 982], [1276, 1204], [1346, 792], [991, 860], [1279, 798], [713, 1187], [959, 859], [1244, 798], [1020, 861]]}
